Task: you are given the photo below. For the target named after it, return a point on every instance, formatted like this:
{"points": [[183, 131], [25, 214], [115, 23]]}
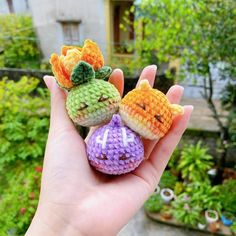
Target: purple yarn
{"points": [[114, 148]]}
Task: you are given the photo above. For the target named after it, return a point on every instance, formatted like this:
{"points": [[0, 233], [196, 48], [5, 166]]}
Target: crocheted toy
{"points": [[90, 101], [114, 148], [148, 112]]}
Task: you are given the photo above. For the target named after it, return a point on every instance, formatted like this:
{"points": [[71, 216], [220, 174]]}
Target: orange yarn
{"points": [[148, 111], [63, 65]]}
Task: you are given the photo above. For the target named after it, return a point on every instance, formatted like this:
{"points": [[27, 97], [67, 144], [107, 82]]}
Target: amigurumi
{"points": [[148, 112], [91, 100], [114, 148]]}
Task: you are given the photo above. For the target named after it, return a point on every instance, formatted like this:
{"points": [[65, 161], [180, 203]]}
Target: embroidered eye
{"points": [[103, 157], [141, 106], [83, 106], [123, 157], [158, 118], [103, 98]]}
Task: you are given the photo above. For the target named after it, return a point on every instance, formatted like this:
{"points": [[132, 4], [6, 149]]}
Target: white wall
{"points": [[45, 14], [20, 7]]}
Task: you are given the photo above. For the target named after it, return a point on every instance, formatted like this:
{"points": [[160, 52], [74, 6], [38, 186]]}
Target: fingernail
{"points": [[48, 80], [154, 67], [189, 107]]}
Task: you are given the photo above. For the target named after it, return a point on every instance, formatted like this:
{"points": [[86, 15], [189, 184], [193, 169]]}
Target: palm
{"points": [[71, 187]]}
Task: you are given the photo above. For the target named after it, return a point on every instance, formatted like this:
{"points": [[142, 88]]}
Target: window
{"points": [[71, 35], [121, 37]]}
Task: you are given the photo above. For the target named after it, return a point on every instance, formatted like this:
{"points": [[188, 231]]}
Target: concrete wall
{"points": [[20, 7], [47, 13]]}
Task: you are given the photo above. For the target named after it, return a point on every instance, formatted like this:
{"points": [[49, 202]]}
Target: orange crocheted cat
{"points": [[148, 112]]}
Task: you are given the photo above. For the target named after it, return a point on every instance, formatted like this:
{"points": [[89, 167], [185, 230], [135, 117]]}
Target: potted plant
{"points": [[227, 218], [214, 227], [201, 223], [166, 212], [157, 189], [211, 216], [195, 162], [233, 228], [154, 203], [184, 210], [167, 194]]}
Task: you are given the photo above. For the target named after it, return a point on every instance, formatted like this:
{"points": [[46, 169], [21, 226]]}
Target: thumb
{"points": [[59, 119]]}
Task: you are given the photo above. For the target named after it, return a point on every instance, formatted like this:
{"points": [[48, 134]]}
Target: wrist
{"points": [[47, 222]]}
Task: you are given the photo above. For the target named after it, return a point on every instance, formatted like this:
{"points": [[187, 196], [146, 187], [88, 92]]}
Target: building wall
{"points": [[20, 7], [46, 15]]}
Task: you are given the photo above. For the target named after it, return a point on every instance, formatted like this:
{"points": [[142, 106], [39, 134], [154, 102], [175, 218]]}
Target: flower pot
{"points": [[201, 226], [211, 216], [167, 195], [228, 221], [214, 227], [157, 190], [212, 172], [166, 216]]}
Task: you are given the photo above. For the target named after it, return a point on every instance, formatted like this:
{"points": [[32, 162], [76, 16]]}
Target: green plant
{"points": [[154, 203], [194, 163], [228, 196], [18, 202], [185, 211], [174, 161], [179, 188], [201, 36], [233, 227], [167, 180], [24, 120], [204, 195], [18, 42]]}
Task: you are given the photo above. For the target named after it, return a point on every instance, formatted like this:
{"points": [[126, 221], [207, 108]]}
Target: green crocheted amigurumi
{"points": [[91, 100]]}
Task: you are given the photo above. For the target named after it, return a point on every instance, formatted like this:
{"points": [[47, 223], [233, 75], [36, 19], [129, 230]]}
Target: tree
{"points": [[18, 42], [10, 6], [202, 35]]}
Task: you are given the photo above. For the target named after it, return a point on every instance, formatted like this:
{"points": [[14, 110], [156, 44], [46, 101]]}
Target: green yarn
{"points": [[82, 73], [104, 72], [92, 103]]}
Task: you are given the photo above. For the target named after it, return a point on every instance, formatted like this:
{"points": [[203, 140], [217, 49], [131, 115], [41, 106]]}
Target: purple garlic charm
{"points": [[114, 148]]}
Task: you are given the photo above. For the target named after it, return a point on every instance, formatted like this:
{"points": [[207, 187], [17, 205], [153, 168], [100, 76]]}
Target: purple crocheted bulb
{"points": [[114, 148]]}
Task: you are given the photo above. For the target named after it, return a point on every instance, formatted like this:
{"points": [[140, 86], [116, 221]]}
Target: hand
{"points": [[77, 200]]}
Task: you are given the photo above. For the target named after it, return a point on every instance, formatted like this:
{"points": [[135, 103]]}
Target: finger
{"points": [[164, 149], [148, 73], [59, 118], [117, 79], [174, 95]]}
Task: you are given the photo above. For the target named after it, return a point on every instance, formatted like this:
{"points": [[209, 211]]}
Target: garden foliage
{"points": [[18, 42], [24, 122]]}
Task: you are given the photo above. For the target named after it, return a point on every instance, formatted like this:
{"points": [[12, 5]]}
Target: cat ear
{"points": [[176, 110]]}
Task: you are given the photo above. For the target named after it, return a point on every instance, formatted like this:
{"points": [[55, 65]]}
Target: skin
{"points": [[77, 200]]}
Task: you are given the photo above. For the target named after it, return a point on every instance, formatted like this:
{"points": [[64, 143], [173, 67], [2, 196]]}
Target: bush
{"points": [[194, 163], [18, 202], [24, 121], [18, 42], [228, 196]]}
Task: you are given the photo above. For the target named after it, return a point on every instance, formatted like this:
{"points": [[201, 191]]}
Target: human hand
{"points": [[75, 199]]}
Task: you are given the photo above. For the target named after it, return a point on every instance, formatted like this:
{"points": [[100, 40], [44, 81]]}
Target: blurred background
{"points": [[193, 43]]}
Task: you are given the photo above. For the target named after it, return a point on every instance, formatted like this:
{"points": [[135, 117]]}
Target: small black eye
{"points": [[103, 157], [158, 118], [141, 106], [123, 157], [83, 106], [103, 98]]}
